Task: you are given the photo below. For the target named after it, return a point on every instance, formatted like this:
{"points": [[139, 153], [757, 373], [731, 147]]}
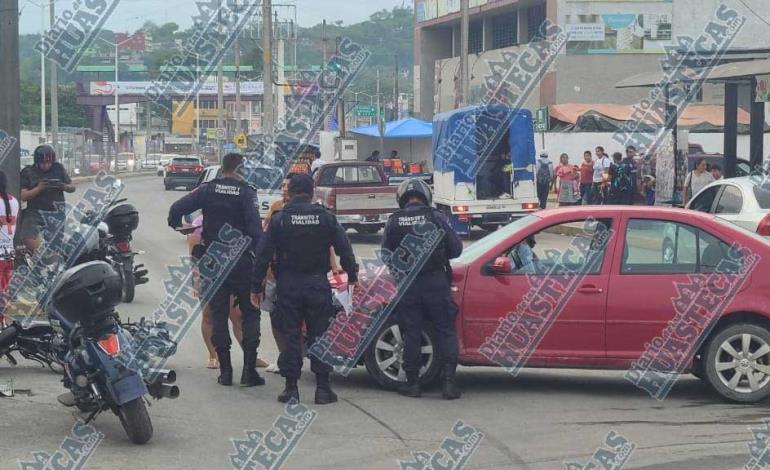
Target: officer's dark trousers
{"points": [[237, 284], [308, 298], [428, 300]]}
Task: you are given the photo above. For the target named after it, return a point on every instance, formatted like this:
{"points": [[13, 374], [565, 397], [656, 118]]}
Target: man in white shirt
{"points": [[317, 163], [601, 176]]}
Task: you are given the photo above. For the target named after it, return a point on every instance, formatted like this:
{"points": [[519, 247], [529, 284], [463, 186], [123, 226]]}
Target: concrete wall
{"points": [[479, 70], [690, 16]]}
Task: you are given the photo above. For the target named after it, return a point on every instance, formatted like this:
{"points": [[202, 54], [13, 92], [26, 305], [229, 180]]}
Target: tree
{"points": [[71, 114]]}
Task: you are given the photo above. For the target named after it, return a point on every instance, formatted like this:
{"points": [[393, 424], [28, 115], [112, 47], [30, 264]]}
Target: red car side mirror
{"points": [[502, 265]]}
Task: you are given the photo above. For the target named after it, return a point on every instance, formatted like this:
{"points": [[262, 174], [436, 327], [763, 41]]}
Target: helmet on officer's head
{"points": [[44, 154], [414, 187]]}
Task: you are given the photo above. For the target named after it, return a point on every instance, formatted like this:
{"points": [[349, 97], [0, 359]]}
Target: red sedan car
{"points": [[654, 291]]}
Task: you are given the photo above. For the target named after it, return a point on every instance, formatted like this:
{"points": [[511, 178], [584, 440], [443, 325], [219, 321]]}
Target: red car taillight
{"points": [[123, 247], [110, 345], [764, 226], [198, 169], [171, 168], [331, 202]]}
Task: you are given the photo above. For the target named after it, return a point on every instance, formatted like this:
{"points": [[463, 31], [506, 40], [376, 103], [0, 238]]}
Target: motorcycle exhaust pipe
{"points": [[168, 391], [160, 390], [166, 376]]}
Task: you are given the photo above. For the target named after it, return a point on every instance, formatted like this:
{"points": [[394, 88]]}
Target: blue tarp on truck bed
{"points": [[464, 138]]}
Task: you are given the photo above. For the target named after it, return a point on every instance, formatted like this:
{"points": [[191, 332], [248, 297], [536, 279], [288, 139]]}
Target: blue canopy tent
{"points": [[410, 136], [408, 128], [463, 140]]}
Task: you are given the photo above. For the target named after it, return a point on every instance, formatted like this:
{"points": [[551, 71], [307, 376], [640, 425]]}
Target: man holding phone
{"points": [[43, 185]]}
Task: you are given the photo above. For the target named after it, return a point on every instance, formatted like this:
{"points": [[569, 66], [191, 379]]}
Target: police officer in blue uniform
{"points": [[229, 200], [428, 297], [299, 237]]}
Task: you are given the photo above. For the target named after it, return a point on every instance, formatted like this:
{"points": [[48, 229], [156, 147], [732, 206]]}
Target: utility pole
{"points": [[464, 26], [395, 90], [9, 87], [54, 88], [267, 67], [237, 79], [117, 101], [379, 118], [220, 96], [42, 73]]}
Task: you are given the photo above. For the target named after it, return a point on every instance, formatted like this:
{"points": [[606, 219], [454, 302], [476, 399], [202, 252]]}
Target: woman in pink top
{"points": [[565, 182]]}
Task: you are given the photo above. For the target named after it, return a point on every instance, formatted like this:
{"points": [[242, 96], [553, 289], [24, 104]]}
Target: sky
{"points": [[130, 15]]}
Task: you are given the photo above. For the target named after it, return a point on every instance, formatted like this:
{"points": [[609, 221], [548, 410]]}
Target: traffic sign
{"points": [[211, 134], [366, 111], [542, 119], [240, 140], [221, 134]]}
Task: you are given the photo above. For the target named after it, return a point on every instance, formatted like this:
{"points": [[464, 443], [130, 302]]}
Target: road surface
{"points": [[537, 420]]}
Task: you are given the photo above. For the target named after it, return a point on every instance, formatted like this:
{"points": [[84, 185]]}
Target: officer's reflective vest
{"points": [[223, 205], [403, 222], [305, 237]]}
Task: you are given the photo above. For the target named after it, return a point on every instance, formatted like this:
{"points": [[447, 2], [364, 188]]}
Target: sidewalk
{"points": [[134, 174]]}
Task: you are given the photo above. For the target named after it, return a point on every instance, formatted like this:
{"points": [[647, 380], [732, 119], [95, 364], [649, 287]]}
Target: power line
{"points": [[754, 12]]}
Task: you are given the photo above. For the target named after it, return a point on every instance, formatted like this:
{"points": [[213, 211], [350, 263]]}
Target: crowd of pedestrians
{"points": [[599, 179]]}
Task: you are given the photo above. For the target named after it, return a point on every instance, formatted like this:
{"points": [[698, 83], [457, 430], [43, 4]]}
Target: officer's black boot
{"points": [[449, 390], [225, 367], [412, 386], [250, 377], [290, 391], [323, 391]]}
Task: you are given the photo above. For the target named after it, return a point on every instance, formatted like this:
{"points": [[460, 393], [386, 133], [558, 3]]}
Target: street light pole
{"points": [[267, 67], [54, 87], [42, 73], [117, 104], [197, 103]]}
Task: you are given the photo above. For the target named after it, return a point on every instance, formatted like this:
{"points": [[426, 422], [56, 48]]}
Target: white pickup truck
{"points": [[265, 195]]}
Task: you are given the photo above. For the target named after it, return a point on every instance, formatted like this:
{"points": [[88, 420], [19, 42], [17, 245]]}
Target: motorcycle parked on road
{"points": [[120, 222], [92, 339]]}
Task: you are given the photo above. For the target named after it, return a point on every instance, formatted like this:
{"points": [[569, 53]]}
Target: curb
{"points": [[87, 179]]}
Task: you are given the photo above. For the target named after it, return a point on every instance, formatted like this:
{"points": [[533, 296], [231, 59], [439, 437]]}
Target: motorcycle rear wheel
{"points": [[136, 421]]}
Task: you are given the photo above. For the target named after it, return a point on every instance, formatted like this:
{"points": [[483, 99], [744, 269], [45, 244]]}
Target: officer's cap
{"points": [[301, 183]]}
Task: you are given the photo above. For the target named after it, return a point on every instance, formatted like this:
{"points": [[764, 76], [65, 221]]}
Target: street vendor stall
{"points": [[410, 137]]}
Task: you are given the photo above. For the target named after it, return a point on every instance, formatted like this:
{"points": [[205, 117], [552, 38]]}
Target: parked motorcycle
{"points": [[82, 314], [37, 342], [121, 221]]}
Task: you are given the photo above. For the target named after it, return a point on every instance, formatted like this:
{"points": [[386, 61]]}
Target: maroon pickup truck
{"points": [[357, 192]]}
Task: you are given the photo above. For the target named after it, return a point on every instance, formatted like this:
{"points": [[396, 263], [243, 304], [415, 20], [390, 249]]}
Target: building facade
{"points": [[609, 41]]}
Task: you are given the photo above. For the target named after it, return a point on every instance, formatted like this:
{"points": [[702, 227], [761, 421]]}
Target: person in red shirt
{"points": [[9, 211], [586, 177]]}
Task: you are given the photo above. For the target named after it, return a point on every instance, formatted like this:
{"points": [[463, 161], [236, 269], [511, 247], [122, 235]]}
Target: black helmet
{"points": [[44, 154], [413, 188], [86, 293]]}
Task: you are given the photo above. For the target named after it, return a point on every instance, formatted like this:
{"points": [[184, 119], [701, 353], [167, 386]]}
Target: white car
{"points": [[266, 179], [744, 201]]}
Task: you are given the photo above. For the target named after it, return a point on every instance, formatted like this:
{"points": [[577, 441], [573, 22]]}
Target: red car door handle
{"points": [[590, 290]]}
